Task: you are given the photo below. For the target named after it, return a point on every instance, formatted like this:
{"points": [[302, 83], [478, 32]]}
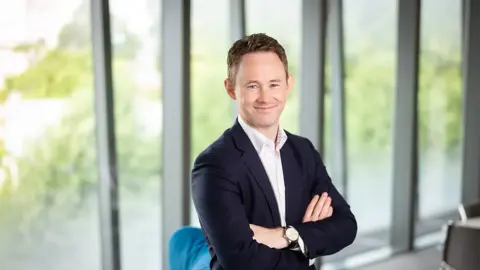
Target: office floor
{"points": [[428, 259]]}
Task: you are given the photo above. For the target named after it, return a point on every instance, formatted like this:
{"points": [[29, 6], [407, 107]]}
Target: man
{"points": [[263, 195]]}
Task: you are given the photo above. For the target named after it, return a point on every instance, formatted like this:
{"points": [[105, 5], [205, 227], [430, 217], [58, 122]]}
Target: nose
{"points": [[264, 95]]}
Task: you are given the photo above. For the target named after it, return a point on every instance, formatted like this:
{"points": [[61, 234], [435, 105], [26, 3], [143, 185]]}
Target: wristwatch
{"points": [[291, 235]]}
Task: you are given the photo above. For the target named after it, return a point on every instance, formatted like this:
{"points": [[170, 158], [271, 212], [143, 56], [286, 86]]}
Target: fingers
{"points": [[319, 208], [254, 229], [309, 212], [325, 208], [257, 230], [330, 211]]}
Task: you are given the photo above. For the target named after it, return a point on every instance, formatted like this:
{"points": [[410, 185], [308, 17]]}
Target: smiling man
{"points": [[263, 195]]}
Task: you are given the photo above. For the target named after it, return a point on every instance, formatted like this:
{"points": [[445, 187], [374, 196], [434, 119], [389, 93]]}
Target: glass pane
{"points": [[283, 24], [370, 48], [208, 71], [440, 112], [328, 154], [138, 114], [48, 174]]}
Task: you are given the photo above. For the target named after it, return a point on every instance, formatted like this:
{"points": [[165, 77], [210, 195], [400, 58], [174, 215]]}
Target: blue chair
{"points": [[188, 250]]}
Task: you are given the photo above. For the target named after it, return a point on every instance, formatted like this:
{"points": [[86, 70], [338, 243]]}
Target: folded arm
{"points": [[328, 236], [217, 200]]}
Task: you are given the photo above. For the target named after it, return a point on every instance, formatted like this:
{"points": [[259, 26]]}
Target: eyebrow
{"points": [[271, 81]]}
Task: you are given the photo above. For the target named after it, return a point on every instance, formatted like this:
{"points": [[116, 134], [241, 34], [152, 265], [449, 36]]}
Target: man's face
{"points": [[261, 88]]}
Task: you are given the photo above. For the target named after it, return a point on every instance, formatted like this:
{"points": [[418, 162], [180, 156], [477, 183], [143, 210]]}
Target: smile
{"points": [[265, 108]]}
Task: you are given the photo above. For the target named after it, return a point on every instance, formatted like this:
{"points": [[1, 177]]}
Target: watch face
{"points": [[291, 234]]}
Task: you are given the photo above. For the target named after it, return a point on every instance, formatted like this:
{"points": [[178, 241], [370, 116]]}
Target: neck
{"points": [[270, 132]]}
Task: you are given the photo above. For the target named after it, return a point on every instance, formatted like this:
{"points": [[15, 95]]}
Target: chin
{"points": [[266, 121]]}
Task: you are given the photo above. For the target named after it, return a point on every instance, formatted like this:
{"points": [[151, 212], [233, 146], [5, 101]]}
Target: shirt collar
{"points": [[259, 140]]}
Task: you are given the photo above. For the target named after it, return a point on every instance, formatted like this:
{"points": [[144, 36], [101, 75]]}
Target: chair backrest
{"points": [[462, 247], [469, 211], [446, 266]]}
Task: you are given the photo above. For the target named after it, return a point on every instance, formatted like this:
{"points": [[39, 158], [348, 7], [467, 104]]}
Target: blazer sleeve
{"points": [[328, 236], [223, 218]]}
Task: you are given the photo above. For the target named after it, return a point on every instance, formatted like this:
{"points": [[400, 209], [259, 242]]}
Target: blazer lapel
{"points": [[255, 166]]}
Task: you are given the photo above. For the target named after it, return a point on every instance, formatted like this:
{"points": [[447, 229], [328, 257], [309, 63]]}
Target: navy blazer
{"points": [[231, 190]]}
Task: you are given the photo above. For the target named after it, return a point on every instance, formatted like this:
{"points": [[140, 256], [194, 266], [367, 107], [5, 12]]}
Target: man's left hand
{"points": [[273, 238]]}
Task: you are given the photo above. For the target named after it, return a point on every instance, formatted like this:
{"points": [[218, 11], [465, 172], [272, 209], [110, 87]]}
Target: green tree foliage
{"points": [[59, 169], [440, 97], [58, 172], [369, 98], [57, 74]]}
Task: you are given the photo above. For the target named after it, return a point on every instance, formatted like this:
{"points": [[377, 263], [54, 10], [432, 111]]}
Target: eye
{"points": [[252, 86], [274, 85]]}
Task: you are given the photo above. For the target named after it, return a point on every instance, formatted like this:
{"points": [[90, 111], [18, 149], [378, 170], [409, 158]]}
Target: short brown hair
{"points": [[253, 43]]}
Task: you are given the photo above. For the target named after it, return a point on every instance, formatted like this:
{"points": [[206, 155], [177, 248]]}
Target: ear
{"points": [[290, 82], [230, 88]]}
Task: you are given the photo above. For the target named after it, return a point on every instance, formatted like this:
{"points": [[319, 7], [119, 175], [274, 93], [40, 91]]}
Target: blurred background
{"points": [[104, 105]]}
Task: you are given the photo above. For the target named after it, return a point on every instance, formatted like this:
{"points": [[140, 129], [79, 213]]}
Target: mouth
{"points": [[265, 108]]}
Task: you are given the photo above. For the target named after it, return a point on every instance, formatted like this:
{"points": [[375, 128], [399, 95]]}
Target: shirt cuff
{"points": [[302, 246]]}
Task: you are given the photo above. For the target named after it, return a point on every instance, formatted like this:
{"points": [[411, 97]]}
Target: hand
{"points": [[318, 209], [272, 238]]}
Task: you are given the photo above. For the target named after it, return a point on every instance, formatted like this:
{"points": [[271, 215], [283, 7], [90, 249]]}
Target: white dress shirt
{"points": [[269, 154]]}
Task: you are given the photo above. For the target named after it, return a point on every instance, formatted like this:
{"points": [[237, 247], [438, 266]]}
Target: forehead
{"points": [[260, 65]]}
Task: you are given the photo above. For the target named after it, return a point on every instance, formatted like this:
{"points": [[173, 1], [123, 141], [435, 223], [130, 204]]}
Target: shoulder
{"points": [[219, 155], [307, 152], [299, 142]]}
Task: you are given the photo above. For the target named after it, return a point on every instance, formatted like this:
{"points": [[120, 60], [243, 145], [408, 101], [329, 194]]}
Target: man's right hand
{"points": [[318, 209]]}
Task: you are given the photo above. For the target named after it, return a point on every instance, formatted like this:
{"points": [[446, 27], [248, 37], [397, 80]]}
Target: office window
{"points": [[440, 113], [138, 123], [370, 46], [328, 155], [49, 216], [281, 19], [212, 109]]}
